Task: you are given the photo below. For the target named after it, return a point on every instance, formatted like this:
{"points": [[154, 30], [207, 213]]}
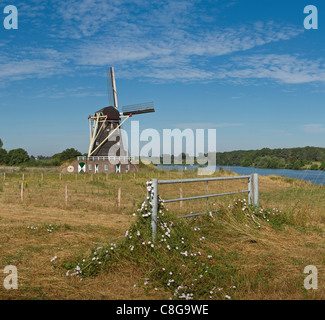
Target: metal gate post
{"points": [[255, 190], [207, 194], [154, 200], [250, 190]]}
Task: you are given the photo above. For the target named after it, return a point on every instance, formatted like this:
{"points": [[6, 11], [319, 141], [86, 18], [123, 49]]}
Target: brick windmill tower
{"points": [[106, 152]]}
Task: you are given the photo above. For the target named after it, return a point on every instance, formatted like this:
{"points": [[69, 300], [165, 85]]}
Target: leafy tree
{"points": [[247, 162], [1, 144], [314, 166], [66, 155], [293, 158], [322, 166], [17, 157], [297, 165], [3, 156]]}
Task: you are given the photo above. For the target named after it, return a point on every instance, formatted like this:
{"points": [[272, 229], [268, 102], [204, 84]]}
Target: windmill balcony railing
{"points": [[107, 158]]}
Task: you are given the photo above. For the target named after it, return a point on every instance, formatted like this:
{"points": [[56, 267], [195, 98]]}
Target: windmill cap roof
{"points": [[113, 113]]}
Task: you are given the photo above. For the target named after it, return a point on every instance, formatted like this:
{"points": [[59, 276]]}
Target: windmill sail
{"points": [[139, 108], [111, 87]]}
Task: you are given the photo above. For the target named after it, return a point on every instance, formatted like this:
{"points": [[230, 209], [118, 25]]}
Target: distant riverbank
{"points": [[314, 176]]}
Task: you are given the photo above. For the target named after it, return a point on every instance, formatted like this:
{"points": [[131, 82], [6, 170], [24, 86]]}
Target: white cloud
{"points": [[314, 128], [31, 63], [85, 18], [153, 40], [283, 68], [180, 44]]}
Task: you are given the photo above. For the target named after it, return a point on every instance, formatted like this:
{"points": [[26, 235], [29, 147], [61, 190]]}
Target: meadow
{"points": [[71, 237]]}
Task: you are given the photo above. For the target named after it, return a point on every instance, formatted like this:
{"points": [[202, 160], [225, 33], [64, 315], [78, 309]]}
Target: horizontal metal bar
{"points": [[201, 180], [206, 196], [199, 214]]}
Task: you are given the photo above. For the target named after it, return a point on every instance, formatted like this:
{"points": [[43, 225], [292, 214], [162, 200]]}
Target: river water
{"points": [[314, 176]]}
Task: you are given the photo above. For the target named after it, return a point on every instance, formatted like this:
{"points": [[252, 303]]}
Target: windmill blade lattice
{"points": [[139, 108]]}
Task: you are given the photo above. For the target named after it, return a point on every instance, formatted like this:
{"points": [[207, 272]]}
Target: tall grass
{"points": [[188, 258], [237, 252]]}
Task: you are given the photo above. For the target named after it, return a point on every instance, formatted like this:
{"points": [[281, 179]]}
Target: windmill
{"points": [[104, 126]]}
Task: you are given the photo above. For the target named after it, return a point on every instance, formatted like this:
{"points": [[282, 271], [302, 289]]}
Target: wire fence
{"points": [[99, 192]]}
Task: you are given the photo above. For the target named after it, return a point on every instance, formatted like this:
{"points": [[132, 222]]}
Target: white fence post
{"points": [[154, 201]]}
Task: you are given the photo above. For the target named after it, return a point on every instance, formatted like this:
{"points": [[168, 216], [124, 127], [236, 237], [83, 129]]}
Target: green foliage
{"points": [[247, 162], [296, 165], [17, 157], [3, 156], [66, 155], [314, 166], [270, 162], [322, 166], [294, 158], [54, 161]]}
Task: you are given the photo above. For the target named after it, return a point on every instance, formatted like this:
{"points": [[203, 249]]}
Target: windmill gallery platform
{"points": [[106, 152], [100, 164]]}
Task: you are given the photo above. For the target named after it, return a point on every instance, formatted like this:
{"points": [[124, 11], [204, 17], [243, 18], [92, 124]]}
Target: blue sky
{"points": [[247, 68]]}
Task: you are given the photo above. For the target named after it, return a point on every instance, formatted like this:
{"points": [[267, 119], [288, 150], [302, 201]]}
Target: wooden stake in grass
{"points": [[42, 176], [4, 176], [119, 197], [22, 191], [66, 194], [60, 177], [181, 197]]}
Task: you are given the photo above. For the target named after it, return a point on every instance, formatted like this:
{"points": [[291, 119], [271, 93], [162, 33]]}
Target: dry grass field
{"points": [[269, 262]]}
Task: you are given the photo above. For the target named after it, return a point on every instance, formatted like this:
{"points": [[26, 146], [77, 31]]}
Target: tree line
{"points": [[288, 158], [20, 157]]}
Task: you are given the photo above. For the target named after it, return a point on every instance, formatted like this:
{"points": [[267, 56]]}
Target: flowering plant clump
{"points": [[176, 260], [180, 259], [48, 227], [51, 228], [32, 227], [273, 216]]}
